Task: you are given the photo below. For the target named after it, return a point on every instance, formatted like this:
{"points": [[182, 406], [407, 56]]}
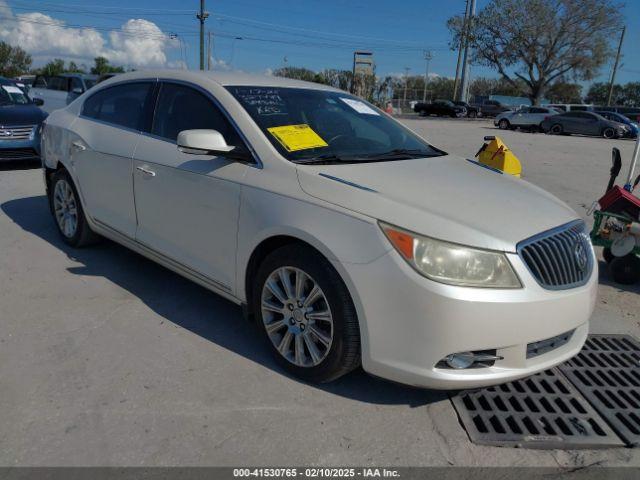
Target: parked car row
{"points": [[549, 120]]}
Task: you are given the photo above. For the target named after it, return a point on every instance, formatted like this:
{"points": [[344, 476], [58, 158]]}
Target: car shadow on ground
{"points": [[192, 307], [605, 278], [19, 165]]}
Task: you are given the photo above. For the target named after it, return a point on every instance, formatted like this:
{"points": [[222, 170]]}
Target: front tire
{"points": [[626, 270], [504, 124], [67, 211], [472, 114], [609, 133], [306, 314]]}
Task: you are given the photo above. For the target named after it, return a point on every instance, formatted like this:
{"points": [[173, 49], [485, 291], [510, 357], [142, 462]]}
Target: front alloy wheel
{"points": [[297, 317], [306, 313]]}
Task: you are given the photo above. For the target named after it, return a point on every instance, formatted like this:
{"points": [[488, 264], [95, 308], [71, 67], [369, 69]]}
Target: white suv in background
{"points": [[346, 236]]}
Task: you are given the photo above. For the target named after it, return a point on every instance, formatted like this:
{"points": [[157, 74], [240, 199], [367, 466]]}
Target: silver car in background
{"points": [[525, 117], [58, 91]]}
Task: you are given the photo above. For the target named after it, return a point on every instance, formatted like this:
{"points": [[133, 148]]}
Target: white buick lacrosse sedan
{"points": [[348, 238]]}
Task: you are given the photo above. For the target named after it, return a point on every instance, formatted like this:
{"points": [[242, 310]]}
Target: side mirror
{"points": [[38, 101], [209, 142], [77, 91]]}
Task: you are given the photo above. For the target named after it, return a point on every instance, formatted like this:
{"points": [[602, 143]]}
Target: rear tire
{"points": [[306, 314], [504, 124], [607, 255], [472, 114], [625, 270], [68, 213], [556, 129]]}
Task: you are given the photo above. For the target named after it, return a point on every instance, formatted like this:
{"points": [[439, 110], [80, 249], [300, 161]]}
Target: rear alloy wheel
{"points": [[67, 211], [609, 133], [625, 270], [504, 124], [306, 313], [556, 129]]}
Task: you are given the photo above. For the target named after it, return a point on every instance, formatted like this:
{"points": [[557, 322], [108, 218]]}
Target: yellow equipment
{"points": [[497, 155]]}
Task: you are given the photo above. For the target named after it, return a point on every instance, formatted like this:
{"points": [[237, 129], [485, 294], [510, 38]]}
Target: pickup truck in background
{"points": [[491, 108], [58, 91], [440, 108]]}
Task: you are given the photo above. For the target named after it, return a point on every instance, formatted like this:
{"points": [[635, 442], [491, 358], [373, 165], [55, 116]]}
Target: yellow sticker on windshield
{"points": [[297, 137]]}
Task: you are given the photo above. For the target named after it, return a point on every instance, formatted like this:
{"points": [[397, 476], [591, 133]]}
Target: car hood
{"points": [[446, 197], [21, 115]]}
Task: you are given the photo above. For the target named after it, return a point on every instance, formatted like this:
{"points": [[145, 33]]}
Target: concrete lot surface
{"points": [[109, 359]]}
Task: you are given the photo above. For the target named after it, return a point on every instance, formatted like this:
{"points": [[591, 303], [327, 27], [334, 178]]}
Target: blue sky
{"points": [[257, 35]]}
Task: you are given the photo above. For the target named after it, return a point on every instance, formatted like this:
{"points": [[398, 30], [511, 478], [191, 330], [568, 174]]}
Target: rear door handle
{"points": [[78, 146], [146, 171]]}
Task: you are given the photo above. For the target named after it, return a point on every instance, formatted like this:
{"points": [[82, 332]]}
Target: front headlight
{"points": [[451, 263]]}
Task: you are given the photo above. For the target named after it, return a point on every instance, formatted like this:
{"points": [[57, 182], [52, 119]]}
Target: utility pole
{"points": [[406, 84], [428, 56], [615, 67], [202, 16], [209, 50], [465, 61], [463, 35]]}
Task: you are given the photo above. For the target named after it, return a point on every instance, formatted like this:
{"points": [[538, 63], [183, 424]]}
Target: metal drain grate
{"points": [[607, 373], [541, 411]]}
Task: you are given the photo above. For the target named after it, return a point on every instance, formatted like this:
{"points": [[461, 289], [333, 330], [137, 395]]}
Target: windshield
{"points": [[12, 95], [318, 126], [90, 82]]}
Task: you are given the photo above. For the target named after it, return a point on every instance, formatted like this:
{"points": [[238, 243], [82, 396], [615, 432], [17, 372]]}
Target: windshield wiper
{"points": [[326, 159], [402, 153]]}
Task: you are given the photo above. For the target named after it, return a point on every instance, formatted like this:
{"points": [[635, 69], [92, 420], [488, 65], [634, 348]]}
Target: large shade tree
{"points": [[537, 42], [13, 60]]}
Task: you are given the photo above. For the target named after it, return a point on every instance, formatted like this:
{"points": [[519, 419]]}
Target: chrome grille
{"points": [[16, 133], [560, 258]]}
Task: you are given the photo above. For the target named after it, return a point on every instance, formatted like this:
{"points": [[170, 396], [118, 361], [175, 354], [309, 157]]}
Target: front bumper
{"points": [[409, 323], [11, 150]]}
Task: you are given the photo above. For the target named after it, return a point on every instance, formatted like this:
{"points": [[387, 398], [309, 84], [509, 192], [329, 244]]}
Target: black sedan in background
{"points": [[441, 108], [20, 121], [583, 123]]}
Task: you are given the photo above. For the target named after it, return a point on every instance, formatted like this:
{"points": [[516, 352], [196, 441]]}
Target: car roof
{"points": [[221, 78], [7, 81]]}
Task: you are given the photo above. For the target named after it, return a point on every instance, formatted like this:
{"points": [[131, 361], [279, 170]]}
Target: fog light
{"points": [[460, 360], [476, 359]]}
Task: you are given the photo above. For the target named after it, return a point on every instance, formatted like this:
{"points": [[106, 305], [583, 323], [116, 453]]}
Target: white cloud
{"points": [[138, 42]]}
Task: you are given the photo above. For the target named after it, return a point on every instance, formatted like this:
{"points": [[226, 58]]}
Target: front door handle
{"points": [[146, 171], [78, 146]]}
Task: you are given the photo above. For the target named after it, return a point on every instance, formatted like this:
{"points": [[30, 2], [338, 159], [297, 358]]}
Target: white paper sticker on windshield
{"points": [[11, 89], [359, 106]]}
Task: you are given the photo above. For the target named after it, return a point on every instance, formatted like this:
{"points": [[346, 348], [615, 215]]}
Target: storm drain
{"points": [[541, 411], [607, 373]]}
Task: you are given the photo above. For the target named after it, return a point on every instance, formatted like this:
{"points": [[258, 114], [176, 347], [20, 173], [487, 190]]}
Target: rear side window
{"points": [[121, 105], [183, 108]]}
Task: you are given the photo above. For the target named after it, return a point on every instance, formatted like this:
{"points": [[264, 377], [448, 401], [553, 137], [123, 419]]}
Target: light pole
{"points": [[406, 85], [428, 56]]}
